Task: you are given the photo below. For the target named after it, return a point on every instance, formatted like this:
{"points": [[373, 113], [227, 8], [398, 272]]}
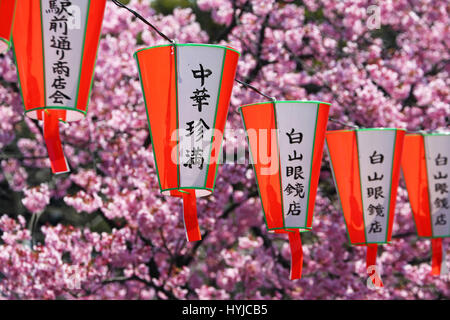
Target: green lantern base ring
{"points": [[199, 192], [71, 115], [289, 229]]}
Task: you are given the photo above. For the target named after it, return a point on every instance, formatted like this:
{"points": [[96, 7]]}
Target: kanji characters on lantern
{"points": [[366, 168], [286, 143], [7, 11], [426, 170], [187, 89], [55, 44]]}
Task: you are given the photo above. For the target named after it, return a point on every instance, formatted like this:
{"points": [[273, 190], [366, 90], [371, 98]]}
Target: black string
{"points": [[273, 100], [137, 15], [343, 123], [255, 89]]}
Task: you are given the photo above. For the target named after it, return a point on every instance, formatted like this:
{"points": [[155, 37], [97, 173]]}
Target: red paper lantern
{"points": [[366, 170], [55, 44], [187, 90], [7, 9], [426, 170], [286, 143]]}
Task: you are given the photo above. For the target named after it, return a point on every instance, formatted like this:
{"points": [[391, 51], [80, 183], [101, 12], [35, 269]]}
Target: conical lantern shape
{"points": [[286, 141], [7, 9], [55, 45], [366, 170], [426, 170], [187, 90]]}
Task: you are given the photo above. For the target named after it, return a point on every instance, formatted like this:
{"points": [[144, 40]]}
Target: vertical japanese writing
{"points": [[64, 30], [199, 70], [60, 43], [376, 156], [195, 155], [375, 192], [295, 190], [296, 130], [437, 148], [441, 190]]}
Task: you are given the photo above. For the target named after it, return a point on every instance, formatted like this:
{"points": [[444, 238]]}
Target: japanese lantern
{"points": [[55, 44], [187, 90], [286, 141], [366, 169], [426, 170], [7, 9]]}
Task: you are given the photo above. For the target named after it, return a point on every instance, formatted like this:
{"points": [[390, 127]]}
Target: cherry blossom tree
{"points": [[104, 231]]}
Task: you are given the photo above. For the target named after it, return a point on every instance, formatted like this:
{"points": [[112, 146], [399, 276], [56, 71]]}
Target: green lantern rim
{"points": [[365, 129], [188, 45], [181, 189], [84, 113], [428, 134], [369, 243], [300, 229], [283, 101]]}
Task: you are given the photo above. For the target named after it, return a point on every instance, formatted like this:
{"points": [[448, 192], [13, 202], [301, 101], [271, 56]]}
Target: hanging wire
{"points": [[354, 126], [137, 15], [273, 99], [247, 85]]}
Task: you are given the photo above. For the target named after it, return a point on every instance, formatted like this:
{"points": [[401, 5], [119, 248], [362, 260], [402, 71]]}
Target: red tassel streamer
{"points": [[295, 242], [436, 264], [53, 143], [190, 216]]}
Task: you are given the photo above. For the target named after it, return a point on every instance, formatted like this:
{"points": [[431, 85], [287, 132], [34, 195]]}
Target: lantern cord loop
{"points": [[137, 15], [343, 123], [273, 99]]}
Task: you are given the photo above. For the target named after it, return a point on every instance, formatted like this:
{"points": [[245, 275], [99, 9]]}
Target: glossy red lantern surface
{"points": [[7, 10], [187, 90], [55, 46], [366, 170], [426, 170], [286, 141]]}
